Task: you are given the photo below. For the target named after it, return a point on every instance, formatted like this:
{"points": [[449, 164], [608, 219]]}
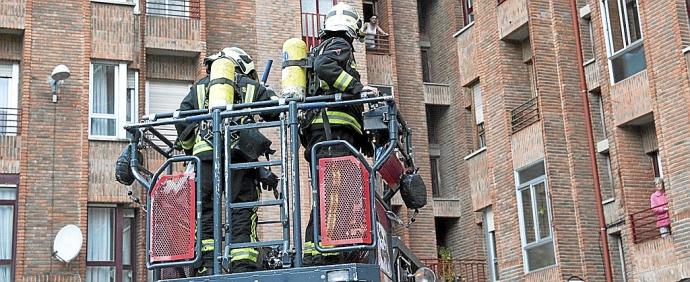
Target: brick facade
{"points": [[645, 113]]}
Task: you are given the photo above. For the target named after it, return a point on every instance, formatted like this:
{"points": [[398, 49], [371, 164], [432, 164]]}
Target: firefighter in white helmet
{"points": [[247, 89], [335, 67]]}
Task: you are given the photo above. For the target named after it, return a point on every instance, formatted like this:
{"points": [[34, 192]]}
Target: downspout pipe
{"points": [[586, 111]]}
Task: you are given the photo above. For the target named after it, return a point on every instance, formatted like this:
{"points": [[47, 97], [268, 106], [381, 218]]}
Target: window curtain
{"points": [[103, 99], [6, 232], [100, 244]]}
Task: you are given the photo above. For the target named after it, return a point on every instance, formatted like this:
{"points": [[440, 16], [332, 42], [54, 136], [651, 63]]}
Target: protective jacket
{"points": [[336, 69], [250, 91]]}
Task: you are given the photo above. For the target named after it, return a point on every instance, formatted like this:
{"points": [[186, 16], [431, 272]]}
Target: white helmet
{"points": [[343, 17], [243, 61]]}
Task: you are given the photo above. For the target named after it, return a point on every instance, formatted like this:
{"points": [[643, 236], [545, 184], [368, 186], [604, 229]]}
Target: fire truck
{"points": [[352, 212]]}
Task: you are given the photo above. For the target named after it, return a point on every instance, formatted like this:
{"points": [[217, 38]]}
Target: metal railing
{"points": [[174, 8], [643, 224], [380, 44], [9, 121], [458, 269], [311, 27], [524, 115]]}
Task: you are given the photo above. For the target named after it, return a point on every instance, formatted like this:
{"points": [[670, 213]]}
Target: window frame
{"points": [[538, 241], [121, 90], [491, 249], [467, 11], [11, 181], [479, 129], [657, 167], [628, 44], [12, 99], [117, 225]]}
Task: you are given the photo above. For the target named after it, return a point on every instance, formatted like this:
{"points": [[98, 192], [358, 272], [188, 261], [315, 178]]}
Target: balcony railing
{"points": [[458, 270], [524, 115], [9, 121], [311, 27], [174, 8], [643, 224], [437, 94], [380, 44]]}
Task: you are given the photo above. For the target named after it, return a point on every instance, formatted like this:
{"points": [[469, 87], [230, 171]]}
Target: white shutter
{"points": [[166, 96], [478, 109], [489, 219], [5, 69]]}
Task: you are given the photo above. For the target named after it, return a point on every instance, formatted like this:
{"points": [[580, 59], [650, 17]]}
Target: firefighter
{"points": [[335, 67], [244, 182]]}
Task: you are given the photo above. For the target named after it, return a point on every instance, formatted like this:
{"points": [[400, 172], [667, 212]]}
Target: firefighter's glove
{"points": [[369, 92], [268, 180]]}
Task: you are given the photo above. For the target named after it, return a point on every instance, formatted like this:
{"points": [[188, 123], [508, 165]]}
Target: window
{"points": [[619, 264], [478, 109], [422, 17], [610, 192], [435, 177], [8, 212], [170, 8], [600, 102], [467, 11], [426, 65], [623, 33], [113, 100], [535, 217], [110, 245], [369, 9], [313, 18], [656, 164], [490, 237], [9, 96]]}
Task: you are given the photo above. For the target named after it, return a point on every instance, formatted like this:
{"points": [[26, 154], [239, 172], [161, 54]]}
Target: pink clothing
{"points": [[659, 205]]}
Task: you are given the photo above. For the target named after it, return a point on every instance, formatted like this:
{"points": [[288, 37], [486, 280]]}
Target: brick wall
{"points": [[53, 193]]}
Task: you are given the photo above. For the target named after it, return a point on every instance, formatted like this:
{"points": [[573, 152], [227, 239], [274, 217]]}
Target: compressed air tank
{"points": [[221, 93], [294, 78]]}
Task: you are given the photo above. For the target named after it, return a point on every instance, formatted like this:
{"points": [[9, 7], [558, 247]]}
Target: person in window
{"points": [[372, 31], [335, 67], [244, 182], [659, 205]]}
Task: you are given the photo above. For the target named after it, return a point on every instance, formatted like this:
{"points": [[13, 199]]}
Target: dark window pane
{"points": [[527, 215], [540, 256], [435, 178], [532, 172], [426, 70], [629, 63]]}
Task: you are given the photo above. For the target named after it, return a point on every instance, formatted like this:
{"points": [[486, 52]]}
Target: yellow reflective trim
{"points": [[310, 248], [201, 146], [335, 117], [244, 254], [207, 245], [249, 97], [187, 144], [342, 81], [252, 235]]}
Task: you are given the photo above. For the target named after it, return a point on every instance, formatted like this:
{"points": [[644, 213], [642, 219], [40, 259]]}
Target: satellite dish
{"points": [[67, 243]]}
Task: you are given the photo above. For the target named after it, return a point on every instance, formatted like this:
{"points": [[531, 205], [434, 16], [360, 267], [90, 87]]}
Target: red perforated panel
{"points": [[173, 221], [344, 201]]}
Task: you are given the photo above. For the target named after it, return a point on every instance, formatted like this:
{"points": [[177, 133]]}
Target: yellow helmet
{"points": [[343, 17]]}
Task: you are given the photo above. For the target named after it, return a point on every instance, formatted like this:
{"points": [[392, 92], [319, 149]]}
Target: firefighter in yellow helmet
{"points": [[244, 182], [335, 67]]}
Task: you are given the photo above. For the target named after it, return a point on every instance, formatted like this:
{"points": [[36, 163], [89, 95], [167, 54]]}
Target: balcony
{"points": [[378, 45], [12, 15], [458, 270], [9, 141], [173, 27], [449, 208], [524, 115], [632, 104], [592, 75], [467, 54], [437, 94], [643, 224], [480, 179], [512, 20]]}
